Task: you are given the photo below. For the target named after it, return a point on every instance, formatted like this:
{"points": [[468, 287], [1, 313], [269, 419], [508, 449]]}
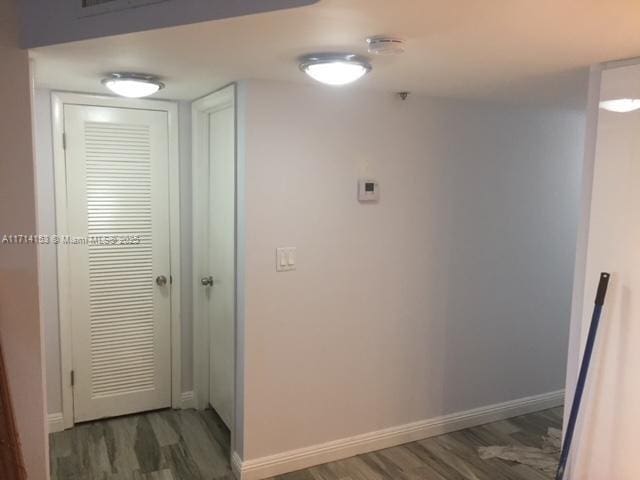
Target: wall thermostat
{"points": [[368, 190]]}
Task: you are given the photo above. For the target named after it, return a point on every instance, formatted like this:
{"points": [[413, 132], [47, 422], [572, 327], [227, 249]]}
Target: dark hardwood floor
{"points": [[191, 445]]}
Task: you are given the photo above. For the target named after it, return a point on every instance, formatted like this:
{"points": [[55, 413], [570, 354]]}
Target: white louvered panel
{"points": [[121, 309], [117, 185]]}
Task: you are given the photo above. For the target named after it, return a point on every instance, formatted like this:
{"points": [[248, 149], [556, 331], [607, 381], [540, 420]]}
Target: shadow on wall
{"points": [[513, 200]]}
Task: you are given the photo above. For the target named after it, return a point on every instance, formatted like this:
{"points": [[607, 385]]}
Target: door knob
{"points": [[161, 280], [207, 281]]}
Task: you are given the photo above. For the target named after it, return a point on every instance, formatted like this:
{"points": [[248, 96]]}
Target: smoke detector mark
{"points": [[386, 45]]}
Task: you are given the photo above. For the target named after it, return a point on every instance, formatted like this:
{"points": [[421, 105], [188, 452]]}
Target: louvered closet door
{"points": [[117, 192]]}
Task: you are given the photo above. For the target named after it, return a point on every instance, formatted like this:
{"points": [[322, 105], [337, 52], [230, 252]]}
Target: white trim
{"points": [[58, 100], [576, 326], [56, 422], [176, 254], [293, 460], [187, 400], [236, 465], [200, 109], [60, 189], [237, 434]]}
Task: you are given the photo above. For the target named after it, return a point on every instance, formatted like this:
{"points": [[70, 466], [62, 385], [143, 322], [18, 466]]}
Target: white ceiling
{"points": [[507, 50]]}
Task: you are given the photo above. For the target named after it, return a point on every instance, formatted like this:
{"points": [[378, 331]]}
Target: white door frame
{"points": [[58, 101], [200, 110]]}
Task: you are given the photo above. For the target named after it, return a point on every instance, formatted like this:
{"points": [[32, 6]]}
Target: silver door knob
{"points": [[207, 281], [161, 280]]}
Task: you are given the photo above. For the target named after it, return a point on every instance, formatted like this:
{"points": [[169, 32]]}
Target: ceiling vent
{"points": [[386, 45]]}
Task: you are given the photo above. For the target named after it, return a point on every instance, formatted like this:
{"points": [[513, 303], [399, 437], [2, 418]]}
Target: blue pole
{"points": [[582, 377]]}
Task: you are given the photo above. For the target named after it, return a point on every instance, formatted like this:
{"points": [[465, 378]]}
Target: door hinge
{"points": [[73, 378], [64, 141]]}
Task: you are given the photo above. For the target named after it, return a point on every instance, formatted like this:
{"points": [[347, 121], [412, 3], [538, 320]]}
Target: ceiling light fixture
{"points": [[621, 105], [132, 85], [335, 69]]}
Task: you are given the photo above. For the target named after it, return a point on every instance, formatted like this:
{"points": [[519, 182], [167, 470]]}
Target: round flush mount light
{"points": [[132, 85], [621, 105], [335, 69]]}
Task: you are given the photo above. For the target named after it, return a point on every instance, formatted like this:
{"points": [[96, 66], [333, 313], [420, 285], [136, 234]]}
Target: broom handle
{"points": [[582, 377]]}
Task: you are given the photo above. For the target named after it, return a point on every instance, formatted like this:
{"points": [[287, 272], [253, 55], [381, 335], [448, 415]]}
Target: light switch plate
{"points": [[285, 259]]}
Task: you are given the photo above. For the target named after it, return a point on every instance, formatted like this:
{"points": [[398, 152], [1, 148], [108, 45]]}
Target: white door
{"points": [[221, 254], [118, 209]]}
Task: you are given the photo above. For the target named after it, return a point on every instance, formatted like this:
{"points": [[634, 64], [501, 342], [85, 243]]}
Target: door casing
{"points": [[201, 108], [58, 100]]}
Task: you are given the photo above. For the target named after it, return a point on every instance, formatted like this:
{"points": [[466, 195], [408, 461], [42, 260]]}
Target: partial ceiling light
{"points": [[621, 105], [132, 85], [335, 69]]}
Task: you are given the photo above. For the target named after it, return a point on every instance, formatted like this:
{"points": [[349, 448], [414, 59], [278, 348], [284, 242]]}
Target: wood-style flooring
{"points": [[448, 457], [163, 445], [190, 445]]}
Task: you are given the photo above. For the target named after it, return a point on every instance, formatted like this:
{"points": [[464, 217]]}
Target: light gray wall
{"points": [[452, 293], [48, 266]]}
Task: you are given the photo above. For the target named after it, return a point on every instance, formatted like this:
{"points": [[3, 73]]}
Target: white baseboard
{"points": [[293, 460], [187, 400], [236, 465], [56, 422]]}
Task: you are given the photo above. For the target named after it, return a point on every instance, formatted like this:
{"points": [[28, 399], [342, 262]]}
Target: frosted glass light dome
{"points": [[621, 105], [132, 85], [335, 69]]}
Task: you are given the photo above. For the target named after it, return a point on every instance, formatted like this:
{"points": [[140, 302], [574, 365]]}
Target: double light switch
{"points": [[285, 259]]}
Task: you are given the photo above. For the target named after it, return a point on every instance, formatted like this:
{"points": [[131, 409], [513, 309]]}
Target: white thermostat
{"points": [[368, 190]]}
